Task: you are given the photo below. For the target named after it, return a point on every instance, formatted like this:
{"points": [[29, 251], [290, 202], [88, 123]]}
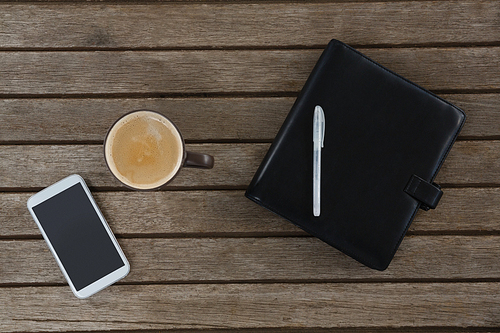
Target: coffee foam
{"points": [[144, 150]]}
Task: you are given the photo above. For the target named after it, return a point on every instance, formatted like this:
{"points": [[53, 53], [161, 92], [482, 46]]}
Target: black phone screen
{"points": [[78, 236]]}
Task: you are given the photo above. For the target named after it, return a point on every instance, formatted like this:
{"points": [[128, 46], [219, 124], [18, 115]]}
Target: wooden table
{"points": [[202, 255]]}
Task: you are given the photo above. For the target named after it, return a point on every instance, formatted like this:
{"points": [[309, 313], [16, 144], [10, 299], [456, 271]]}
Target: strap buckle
{"points": [[427, 193]]}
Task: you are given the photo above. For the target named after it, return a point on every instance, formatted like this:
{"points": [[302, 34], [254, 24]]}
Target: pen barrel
{"points": [[316, 180]]}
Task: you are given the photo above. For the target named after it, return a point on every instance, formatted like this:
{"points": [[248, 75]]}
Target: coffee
{"points": [[144, 150]]}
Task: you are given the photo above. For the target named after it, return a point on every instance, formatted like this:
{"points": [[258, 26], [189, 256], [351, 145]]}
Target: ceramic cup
{"points": [[145, 150]]}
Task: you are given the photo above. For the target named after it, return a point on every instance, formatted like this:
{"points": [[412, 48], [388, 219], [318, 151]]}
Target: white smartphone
{"points": [[78, 236]]}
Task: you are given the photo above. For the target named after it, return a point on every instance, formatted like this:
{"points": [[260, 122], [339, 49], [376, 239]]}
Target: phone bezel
{"points": [[55, 189]]}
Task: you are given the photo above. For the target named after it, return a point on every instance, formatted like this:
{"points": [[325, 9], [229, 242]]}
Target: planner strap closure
{"points": [[427, 193]]}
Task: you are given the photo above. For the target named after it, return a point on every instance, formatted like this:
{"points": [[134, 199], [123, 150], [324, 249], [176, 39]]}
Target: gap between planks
{"points": [[267, 282], [250, 47]]}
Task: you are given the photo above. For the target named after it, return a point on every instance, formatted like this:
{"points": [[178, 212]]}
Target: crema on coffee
{"points": [[144, 150]]}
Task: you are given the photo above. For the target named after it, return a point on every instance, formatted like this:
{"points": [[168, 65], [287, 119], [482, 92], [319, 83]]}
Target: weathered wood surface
{"points": [[253, 306], [200, 119], [234, 71], [229, 214], [227, 73], [247, 25], [290, 259], [469, 162], [235, 164]]}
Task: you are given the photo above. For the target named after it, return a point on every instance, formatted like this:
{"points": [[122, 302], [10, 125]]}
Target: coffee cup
{"points": [[144, 150]]}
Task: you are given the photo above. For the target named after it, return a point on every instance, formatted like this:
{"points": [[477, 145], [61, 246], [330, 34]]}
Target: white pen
{"points": [[318, 141]]}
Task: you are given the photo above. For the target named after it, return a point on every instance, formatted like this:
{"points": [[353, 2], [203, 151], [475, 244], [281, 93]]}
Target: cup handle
{"points": [[198, 160]]}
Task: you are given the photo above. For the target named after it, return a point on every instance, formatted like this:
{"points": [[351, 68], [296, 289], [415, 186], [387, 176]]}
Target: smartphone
{"points": [[78, 236]]}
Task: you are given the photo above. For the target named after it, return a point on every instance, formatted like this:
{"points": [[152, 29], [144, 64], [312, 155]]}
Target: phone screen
{"points": [[78, 236]]}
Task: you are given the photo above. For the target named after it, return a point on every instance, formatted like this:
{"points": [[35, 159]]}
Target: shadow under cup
{"points": [[144, 150]]}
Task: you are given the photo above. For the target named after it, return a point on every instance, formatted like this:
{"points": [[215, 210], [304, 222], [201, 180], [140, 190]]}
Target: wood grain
{"points": [[199, 119], [195, 25], [235, 164], [252, 306], [203, 256], [289, 259], [483, 114], [230, 214], [469, 162], [237, 71], [466, 158]]}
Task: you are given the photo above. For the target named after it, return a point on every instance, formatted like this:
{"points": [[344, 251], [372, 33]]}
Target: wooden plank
{"points": [[483, 114], [318, 330], [236, 71], [289, 259], [200, 119], [252, 306], [462, 209], [469, 162], [195, 25], [229, 213], [466, 158], [234, 165], [135, 2]]}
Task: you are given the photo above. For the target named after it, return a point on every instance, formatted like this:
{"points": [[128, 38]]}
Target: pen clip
{"points": [[319, 124]]}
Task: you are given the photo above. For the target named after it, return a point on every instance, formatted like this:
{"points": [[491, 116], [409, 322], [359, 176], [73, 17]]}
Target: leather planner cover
{"points": [[385, 140]]}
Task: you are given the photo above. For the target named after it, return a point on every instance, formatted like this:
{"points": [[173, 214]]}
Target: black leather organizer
{"points": [[385, 141]]}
